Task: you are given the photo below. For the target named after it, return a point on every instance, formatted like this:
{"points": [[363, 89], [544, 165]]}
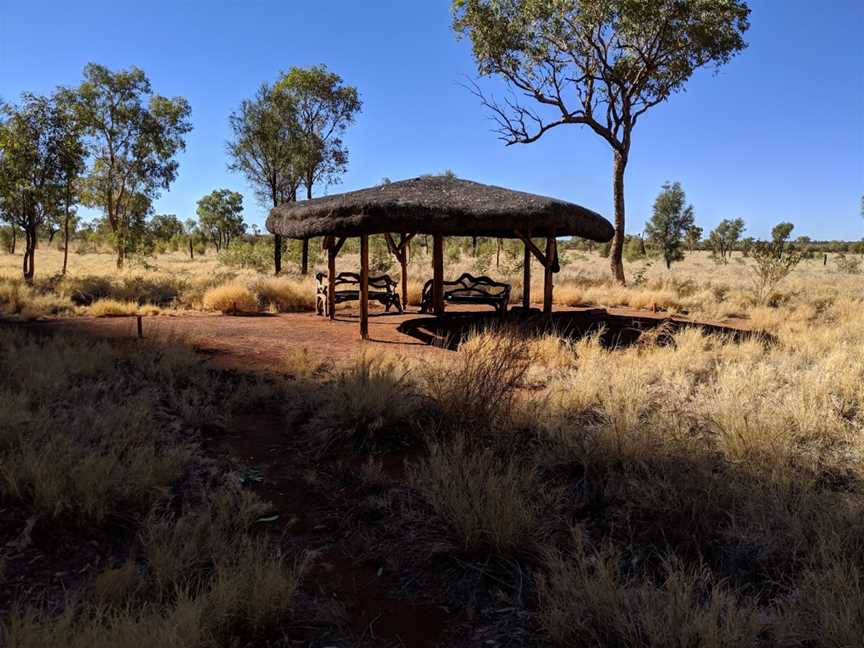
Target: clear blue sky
{"points": [[778, 134]]}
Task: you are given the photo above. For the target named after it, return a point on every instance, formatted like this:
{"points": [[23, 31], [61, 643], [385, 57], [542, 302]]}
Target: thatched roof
{"points": [[437, 205]]}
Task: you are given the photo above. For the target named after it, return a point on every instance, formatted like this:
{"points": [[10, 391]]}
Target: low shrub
{"points": [[229, 298], [112, 308], [475, 389], [286, 295], [25, 302], [489, 503], [369, 403], [249, 255]]}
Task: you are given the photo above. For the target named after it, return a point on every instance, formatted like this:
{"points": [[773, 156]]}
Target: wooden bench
{"points": [[382, 289], [469, 289]]}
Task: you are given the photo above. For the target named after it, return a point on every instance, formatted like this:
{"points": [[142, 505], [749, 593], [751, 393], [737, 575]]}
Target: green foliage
{"points": [[324, 107], [164, 227], [773, 263], [134, 137], [7, 236], [251, 255], [670, 220], [380, 257], [481, 261], [780, 234], [746, 245], [220, 215], [41, 156], [723, 238], [634, 248], [265, 145], [693, 237]]}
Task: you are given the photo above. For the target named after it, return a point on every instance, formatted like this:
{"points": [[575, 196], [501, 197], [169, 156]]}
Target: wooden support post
{"points": [[332, 251], [364, 286], [526, 279], [304, 257], [404, 242], [438, 274], [551, 252]]}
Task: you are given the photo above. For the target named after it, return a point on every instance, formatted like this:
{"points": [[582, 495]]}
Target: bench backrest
{"points": [[470, 286], [381, 282]]}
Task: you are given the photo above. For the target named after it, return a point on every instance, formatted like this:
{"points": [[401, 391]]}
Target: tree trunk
{"points": [[191, 250], [14, 239], [28, 264], [497, 253], [615, 262], [277, 253], [65, 239]]}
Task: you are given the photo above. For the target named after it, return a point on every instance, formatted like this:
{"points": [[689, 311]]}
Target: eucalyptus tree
{"points": [[595, 63], [220, 215], [723, 238], [265, 148], [780, 234], [72, 155], [692, 237], [30, 169], [670, 220], [324, 108], [134, 137]]}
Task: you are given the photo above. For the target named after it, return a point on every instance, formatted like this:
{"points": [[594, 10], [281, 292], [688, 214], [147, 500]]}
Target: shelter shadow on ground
{"points": [[449, 331]]}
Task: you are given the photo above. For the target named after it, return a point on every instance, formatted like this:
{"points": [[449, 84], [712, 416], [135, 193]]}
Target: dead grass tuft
{"points": [[229, 298], [286, 295], [589, 597], [373, 402], [112, 308], [476, 388], [489, 502]]}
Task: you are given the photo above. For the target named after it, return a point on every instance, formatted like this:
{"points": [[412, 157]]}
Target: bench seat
{"points": [[468, 289], [381, 289]]}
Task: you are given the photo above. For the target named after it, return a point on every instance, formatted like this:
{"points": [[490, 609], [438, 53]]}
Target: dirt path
{"points": [[270, 342]]}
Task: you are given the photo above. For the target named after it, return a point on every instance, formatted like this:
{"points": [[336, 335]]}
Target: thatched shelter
{"points": [[440, 206]]}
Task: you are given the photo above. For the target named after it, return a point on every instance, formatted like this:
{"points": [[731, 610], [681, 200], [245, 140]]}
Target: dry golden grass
{"points": [[490, 503], [112, 308], [94, 436], [286, 295], [231, 298], [475, 388], [365, 404], [589, 599], [702, 493]]}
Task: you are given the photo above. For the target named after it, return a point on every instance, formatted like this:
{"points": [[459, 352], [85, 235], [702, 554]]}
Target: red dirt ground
{"points": [[267, 342]]}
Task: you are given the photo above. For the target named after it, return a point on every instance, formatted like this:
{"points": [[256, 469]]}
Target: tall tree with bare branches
{"points": [[596, 63]]}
